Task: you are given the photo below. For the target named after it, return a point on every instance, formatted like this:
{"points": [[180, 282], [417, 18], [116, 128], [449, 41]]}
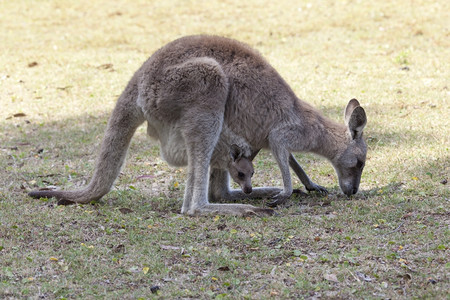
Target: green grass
{"points": [[63, 64]]}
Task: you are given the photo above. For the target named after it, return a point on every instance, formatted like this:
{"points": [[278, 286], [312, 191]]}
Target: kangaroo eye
{"points": [[241, 175]]}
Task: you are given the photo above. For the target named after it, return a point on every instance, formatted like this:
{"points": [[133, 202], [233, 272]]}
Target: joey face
{"points": [[241, 169], [350, 162]]}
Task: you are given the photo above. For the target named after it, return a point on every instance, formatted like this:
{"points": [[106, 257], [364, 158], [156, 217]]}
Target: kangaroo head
{"points": [[241, 169], [349, 163]]}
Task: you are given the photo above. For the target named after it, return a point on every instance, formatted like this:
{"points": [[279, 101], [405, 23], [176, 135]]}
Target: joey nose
{"points": [[247, 189], [350, 191]]}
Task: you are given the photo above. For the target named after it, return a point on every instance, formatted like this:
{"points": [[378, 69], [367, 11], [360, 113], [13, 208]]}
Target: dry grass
{"points": [[63, 64]]}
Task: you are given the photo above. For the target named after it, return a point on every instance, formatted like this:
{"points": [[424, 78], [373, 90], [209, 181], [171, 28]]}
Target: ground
{"points": [[63, 65]]}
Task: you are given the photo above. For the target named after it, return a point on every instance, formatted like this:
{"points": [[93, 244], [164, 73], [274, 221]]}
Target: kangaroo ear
{"points": [[352, 104], [235, 152], [356, 122]]}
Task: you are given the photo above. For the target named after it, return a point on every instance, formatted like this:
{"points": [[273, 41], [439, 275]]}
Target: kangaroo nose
{"points": [[247, 189], [350, 191]]}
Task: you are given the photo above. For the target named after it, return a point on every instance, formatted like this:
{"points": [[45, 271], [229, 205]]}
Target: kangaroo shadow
{"points": [[45, 150]]}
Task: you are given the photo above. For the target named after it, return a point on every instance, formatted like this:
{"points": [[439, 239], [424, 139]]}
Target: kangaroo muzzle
{"points": [[349, 189]]}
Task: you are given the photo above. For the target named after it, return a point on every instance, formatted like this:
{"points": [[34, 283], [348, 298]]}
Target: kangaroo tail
{"points": [[125, 119]]}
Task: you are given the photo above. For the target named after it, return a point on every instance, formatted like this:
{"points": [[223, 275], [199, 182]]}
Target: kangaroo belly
{"points": [[174, 152], [172, 143]]}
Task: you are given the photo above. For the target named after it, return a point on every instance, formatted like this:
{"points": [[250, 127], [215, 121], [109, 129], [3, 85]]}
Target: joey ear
{"points": [[235, 152], [254, 153], [357, 121], [352, 104]]}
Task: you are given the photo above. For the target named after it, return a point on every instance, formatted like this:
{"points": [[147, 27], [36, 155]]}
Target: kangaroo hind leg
{"points": [[199, 87], [196, 195]]}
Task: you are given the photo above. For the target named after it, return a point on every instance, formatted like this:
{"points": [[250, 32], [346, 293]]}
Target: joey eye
{"points": [[241, 175], [360, 164]]}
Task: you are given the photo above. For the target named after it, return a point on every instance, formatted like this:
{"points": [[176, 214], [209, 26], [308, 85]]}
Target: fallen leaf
{"points": [[133, 270], [154, 289], [117, 13], [165, 247], [105, 66], [32, 64], [405, 276], [145, 177], [125, 210], [145, 270], [407, 215], [64, 88], [331, 277], [221, 226], [273, 293], [363, 276], [53, 258], [119, 249]]}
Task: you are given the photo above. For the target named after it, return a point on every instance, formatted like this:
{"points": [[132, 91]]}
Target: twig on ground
{"points": [[395, 230]]}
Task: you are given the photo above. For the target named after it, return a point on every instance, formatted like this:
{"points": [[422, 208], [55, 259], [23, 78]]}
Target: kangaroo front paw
{"points": [[317, 188], [279, 199]]}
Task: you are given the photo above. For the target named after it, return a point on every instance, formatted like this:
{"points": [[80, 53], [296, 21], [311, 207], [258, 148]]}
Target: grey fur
{"points": [[193, 90]]}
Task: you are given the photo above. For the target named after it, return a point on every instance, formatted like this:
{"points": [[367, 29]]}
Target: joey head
{"points": [[241, 169]]}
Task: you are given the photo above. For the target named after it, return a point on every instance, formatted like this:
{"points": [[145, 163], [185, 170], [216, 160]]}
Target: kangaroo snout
{"points": [[349, 190]]}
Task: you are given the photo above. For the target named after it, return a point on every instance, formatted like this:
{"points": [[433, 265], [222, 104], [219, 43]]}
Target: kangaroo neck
{"points": [[325, 137]]}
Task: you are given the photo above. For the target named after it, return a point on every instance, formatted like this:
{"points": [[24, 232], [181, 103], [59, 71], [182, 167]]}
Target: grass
{"points": [[63, 64]]}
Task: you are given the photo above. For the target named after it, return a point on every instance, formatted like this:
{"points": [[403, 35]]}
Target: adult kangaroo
{"points": [[190, 90]]}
